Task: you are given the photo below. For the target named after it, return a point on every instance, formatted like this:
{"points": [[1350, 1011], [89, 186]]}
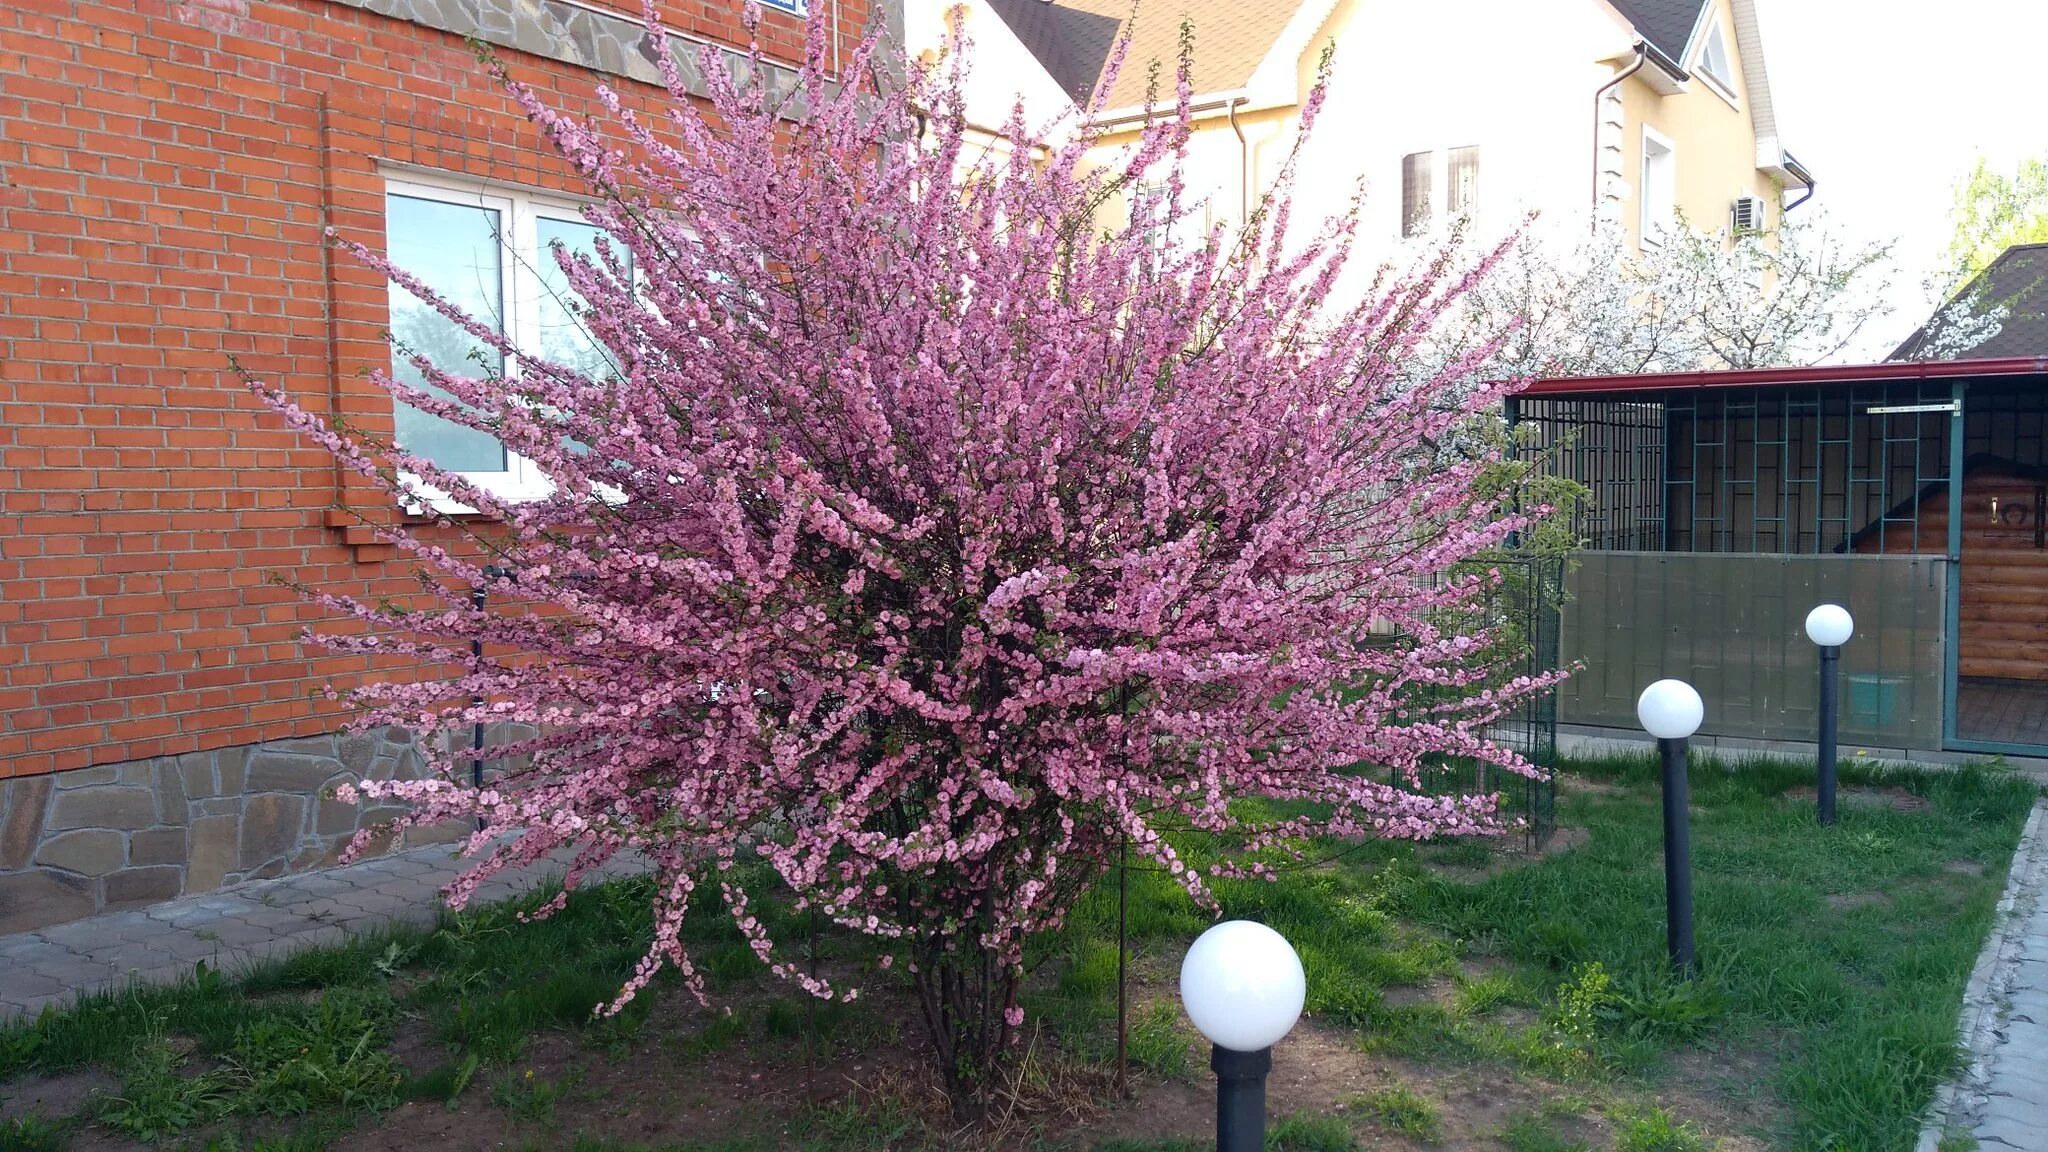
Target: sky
{"points": [[1890, 102]]}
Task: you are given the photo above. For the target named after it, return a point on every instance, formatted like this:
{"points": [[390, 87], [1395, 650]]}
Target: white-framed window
{"points": [[1657, 191], [1151, 204], [1715, 64], [793, 7], [1438, 187], [488, 250]]}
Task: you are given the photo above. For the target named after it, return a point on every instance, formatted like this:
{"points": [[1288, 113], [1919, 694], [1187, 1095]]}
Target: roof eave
{"points": [[1202, 105], [1817, 375]]}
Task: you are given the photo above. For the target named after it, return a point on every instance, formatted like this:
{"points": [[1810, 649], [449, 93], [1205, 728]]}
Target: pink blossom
{"points": [[932, 541]]}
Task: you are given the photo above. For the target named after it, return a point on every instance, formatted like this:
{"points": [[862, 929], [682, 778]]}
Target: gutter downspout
{"points": [[1244, 166], [1600, 97], [1797, 169]]}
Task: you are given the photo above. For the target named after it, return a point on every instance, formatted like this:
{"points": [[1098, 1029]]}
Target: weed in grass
{"points": [[331, 1057], [445, 1083], [1957, 1142], [1402, 1111], [1657, 1004], [156, 1100], [31, 1134], [1158, 1042], [1653, 1130], [1309, 1132], [730, 963], [860, 1120], [531, 1099], [1423, 1032], [1487, 993], [718, 1034], [786, 1018], [1533, 1133], [1090, 970], [1580, 1002], [395, 957]]}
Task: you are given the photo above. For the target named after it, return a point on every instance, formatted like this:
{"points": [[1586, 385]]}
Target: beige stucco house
{"points": [[1638, 112]]}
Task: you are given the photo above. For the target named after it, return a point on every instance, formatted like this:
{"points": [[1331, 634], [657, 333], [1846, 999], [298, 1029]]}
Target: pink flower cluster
{"points": [[937, 534]]}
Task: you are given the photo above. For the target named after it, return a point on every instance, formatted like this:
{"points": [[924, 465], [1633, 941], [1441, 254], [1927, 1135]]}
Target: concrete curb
{"points": [[1989, 993]]}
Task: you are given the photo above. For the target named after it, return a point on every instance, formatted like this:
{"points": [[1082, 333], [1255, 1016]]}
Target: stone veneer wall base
{"points": [[94, 840]]}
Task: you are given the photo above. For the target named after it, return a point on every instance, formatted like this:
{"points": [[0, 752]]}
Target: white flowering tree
{"points": [[1694, 300]]}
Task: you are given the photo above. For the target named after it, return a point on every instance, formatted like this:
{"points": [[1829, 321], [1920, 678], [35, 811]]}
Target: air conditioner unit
{"points": [[1747, 216]]}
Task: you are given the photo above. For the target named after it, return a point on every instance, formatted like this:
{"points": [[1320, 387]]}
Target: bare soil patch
{"points": [[52, 1096], [1894, 798]]}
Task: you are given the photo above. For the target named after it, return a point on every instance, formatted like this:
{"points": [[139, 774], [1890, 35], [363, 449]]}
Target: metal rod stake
{"points": [[477, 597]]}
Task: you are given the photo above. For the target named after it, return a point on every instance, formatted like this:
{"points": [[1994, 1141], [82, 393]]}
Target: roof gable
{"points": [[1666, 24], [1072, 44], [2018, 282], [1074, 39]]}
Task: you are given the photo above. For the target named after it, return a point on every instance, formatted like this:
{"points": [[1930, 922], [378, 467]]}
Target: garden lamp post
{"points": [[1829, 626], [1243, 987], [1671, 711]]}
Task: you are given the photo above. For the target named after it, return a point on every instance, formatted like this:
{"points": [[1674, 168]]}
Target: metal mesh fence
{"points": [[1520, 612]]}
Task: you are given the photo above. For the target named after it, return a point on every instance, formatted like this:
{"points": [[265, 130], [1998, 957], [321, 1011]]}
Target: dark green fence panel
{"points": [[1732, 624]]}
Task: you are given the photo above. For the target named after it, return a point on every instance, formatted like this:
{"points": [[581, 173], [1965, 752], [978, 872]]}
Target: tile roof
{"points": [[1666, 24], [1073, 40], [1073, 44], [2018, 281]]}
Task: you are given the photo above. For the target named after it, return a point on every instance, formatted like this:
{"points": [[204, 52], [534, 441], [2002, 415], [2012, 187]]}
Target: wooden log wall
{"points": [[2004, 599]]}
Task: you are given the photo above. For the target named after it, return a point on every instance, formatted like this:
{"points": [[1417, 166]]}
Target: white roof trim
{"points": [[1275, 82], [1749, 45], [1690, 52], [1219, 100]]}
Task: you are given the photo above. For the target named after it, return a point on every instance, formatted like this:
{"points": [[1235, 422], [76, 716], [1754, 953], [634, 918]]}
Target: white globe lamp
{"points": [[1830, 626], [1670, 710], [1242, 985]]}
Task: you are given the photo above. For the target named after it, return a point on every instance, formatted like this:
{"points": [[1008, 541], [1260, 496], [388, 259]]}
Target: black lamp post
{"points": [[1829, 626], [1672, 711], [1243, 986]]}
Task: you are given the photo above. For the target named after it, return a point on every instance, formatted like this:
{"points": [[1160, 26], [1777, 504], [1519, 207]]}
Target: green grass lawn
{"points": [[1833, 962]]}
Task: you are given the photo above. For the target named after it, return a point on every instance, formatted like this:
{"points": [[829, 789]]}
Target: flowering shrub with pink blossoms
{"points": [[936, 533]]}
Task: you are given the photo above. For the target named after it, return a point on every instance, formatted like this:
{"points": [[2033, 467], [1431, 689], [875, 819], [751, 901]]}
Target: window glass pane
{"points": [[1462, 182], [1416, 170], [1714, 60], [1659, 189], [1148, 212], [454, 249], [563, 337]]}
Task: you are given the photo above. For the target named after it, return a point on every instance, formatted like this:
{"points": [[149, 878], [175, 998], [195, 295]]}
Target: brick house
{"points": [[167, 170]]}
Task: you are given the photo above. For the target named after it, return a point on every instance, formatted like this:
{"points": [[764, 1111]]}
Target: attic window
{"points": [[1714, 63]]}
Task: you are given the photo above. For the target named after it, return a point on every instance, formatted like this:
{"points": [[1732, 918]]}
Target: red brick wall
{"points": [[166, 168]]}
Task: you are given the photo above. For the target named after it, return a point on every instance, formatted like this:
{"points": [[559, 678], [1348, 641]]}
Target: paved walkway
{"points": [[231, 928], [2002, 1097]]}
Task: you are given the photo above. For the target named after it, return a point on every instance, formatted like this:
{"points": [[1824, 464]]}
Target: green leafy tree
{"points": [[1994, 211]]}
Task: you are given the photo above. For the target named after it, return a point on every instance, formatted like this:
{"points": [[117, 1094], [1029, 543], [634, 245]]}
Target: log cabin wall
{"points": [[2004, 594], [2004, 583]]}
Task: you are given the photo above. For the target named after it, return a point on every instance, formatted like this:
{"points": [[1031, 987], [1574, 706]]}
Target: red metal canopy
{"points": [[1814, 376]]}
